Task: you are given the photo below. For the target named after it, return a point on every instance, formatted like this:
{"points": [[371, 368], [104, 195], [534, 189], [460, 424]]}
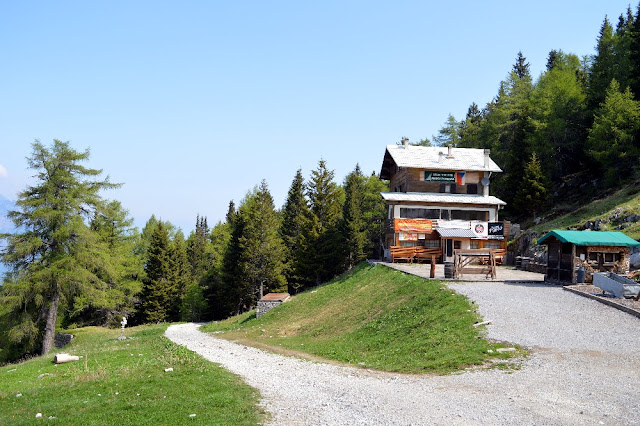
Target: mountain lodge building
{"points": [[440, 199]]}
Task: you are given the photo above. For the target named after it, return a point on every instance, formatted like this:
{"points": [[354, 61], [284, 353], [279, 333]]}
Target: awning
{"points": [[456, 233], [591, 238]]}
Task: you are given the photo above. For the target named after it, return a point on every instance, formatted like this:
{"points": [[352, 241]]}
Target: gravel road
{"points": [[584, 368]]}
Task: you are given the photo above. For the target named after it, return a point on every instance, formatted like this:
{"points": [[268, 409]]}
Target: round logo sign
{"points": [[479, 228]]}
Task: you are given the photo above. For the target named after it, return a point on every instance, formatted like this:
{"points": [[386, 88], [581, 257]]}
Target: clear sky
{"points": [[190, 104]]}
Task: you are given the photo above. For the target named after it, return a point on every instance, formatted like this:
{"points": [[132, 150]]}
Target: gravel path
{"points": [[584, 368]]}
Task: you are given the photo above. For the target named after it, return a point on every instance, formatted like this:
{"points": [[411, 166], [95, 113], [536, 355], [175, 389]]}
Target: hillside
{"points": [[611, 211], [374, 317], [124, 382]]}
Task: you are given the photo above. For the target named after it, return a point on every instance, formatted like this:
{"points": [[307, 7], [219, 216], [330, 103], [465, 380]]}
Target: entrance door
{"points": [[449, 246]]}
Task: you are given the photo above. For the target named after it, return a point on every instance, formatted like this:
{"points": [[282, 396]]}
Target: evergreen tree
{"points": [[260, 245], [521, 67], [532, 194], [602, 69], [181, 271], [293, 216], [374, 213], [353, 226], [634, 52], [199, 248], [159, 291], [613, 138], [55, 255], [320, 255]]}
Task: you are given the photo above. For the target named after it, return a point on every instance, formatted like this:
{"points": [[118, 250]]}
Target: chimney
{"points": [[440, 156], [449, 152], [405, 141], [486, 158]]}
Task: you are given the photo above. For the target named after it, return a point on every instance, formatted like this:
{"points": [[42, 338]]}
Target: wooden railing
{"points": [[417, 254]]}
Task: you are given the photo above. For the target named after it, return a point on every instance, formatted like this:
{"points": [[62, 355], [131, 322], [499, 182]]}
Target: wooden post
{"points": [[432, 273]]}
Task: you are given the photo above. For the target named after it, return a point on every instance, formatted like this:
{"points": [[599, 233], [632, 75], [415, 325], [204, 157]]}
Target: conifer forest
{"points": [[76, 259]]}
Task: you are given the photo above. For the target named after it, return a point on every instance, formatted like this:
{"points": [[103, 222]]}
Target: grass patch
{"points": [[374, 317], [624, 202], [124, 382]]}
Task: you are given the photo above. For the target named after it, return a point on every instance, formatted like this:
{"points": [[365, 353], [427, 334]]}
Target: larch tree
{"points": [[55, 255]]}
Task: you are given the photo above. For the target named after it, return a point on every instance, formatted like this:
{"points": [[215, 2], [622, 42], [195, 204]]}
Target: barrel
{"points": [[581, 275], [525, 263], [448, 269], [518, 262]]}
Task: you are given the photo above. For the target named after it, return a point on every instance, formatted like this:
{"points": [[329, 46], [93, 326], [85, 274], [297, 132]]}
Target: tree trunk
{"points": [[50, 328]]}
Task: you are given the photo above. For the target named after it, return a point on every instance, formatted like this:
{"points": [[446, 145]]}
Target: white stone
{"points": [[38, 415], [166, 370]]}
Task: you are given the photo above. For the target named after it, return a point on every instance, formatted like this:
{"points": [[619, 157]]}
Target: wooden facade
{"points": [[445, 191]]}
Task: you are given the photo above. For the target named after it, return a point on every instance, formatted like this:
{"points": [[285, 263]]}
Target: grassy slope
{"points": [[626, 199], [104, 389], [372, 316]]}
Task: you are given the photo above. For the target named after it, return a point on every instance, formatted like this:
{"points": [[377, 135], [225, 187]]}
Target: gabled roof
{"points": [[428, 197], [428, 157], [591, 238]]}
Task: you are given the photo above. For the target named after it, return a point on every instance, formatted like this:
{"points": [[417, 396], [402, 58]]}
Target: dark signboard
{"points": [[440, 176], [496, 230]]}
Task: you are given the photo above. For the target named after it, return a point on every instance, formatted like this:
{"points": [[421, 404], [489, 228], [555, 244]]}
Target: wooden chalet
{"points": [[440, 199], [595, 251]]}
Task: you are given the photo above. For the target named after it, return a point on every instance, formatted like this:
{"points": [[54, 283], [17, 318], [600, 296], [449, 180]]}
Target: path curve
{"points": [[584, 368]]}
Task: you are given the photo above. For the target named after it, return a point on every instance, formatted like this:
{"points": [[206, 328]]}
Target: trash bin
{"points": [[448, 269], [581, 275]]}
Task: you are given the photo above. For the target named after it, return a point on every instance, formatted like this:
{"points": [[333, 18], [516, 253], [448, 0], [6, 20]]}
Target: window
{"points": [[457, 245], [448, 188], [432, 243], [610, 257], [474, 244], [492, 244], [468, 215], [472, 188], [409, 213], [445, 214]]}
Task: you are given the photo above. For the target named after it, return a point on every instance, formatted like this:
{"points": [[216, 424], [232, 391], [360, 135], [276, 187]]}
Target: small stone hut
{"points": [[270, 301], [596, 251]]}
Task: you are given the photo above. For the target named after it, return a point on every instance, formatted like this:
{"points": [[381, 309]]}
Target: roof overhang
{"points": [[591, 238], [439, 198]]}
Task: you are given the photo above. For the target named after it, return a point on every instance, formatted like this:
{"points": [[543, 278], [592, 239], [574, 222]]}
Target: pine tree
{"points": [[532, 194], [293, 216], [634, 52], [353, 226], [260, 245], [158, 291], [55, 255], [320, 254], [181, 274], [602, 69], [521, 67]]}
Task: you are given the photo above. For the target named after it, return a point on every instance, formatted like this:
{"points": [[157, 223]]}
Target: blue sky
{"points": [[190, 104]]}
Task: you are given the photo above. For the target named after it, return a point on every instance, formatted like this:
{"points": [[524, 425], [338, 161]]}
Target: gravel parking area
{"points": [[584, 368]]}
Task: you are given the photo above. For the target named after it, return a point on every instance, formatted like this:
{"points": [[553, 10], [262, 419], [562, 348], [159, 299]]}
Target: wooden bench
{"points": [[499, 255]]}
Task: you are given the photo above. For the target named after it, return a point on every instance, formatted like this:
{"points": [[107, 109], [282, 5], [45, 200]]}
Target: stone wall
{"points": [[265, 306], [62, 339]]}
